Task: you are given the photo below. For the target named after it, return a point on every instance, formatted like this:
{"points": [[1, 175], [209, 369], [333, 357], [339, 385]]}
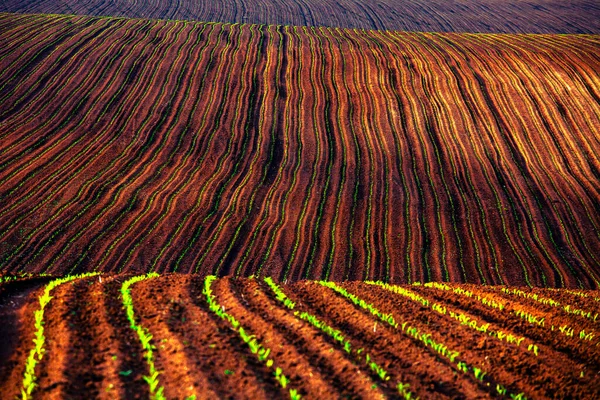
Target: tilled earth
{"points": [[91, 351]]}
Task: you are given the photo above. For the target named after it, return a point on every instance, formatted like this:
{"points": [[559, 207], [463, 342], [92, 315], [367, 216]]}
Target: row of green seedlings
{"points": [[251, 341], [338, 336], [426, 338], [515, 310], [217, 171], [153, 176], [8, 278], [156, 393], [463, 319], [580, 294], [550, 302], [89, 205], [37, 353]]}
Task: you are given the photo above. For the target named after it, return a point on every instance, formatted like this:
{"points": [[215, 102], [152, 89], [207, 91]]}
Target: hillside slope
{"points": [[491, 16], [137, 145]]}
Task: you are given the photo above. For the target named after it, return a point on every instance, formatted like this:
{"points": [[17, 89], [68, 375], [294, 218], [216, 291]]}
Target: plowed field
{"points": [[499, 16], [294, 152], [347, 340]]}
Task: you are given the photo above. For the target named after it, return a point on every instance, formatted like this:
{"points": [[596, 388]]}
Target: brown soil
{"points": [[538, 16], [92, 353], [298, 153]]}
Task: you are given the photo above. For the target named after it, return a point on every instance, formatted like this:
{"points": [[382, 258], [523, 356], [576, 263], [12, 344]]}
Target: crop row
{"points": [[313, 156], [419, 15], [398, 337]]}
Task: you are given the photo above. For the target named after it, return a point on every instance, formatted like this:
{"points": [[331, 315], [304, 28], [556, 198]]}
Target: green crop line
{"points": [[313, 177], [266, 211], [37, 353], [251, 341], [131, 159], [559, 192], [299, 148], [271, 151], [235, 197], [98, 174], [222, 185], [156, 393], [339, 337], [172, 154], [550, 302], [519, 312], [330, 140], [200, 161], [424, 337], [343, 172], [461, 318]]}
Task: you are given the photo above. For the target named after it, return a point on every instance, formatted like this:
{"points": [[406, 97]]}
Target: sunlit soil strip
{"points": [[515, 310], [550, 302], [463, 319], [251, 341], [156, 393], [338, 336], [36, 354], [425, 337]]}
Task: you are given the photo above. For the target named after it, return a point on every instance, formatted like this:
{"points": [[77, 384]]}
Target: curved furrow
{"points": [[126, 355], [240, 149], [542, 113], [516, 156], [323, 123], [428, 375], [29, 115], [98, 193], [493, 175], [216, 138], [199, 162], [431, 244], [122, 172], [99, 174], [351, 161], [236, 215], [144, 176], [213, 347], [457, 181], [490, 355], [463, 173], [492, 309], [307, 138], [294, 95], [382, 132], [364, 192], [187, 167], [337, 366], [29, 60], [343, 147], [77, 159], [13, 36], [279, 154], [26, 152], [526, 154], [398, 123], [152, 304], [19, 325], [302, 374], [167, 120], [92, 343]]}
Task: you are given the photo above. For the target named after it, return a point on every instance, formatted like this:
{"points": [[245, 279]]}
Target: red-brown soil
{"points": [[91, 352], [500, 16], [136, 145]]}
